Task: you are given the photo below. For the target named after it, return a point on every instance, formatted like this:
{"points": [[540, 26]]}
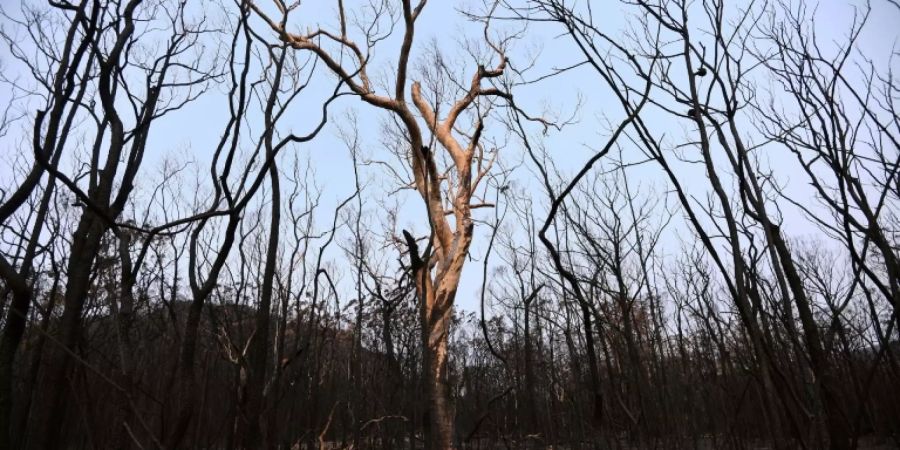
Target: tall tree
{"points": [[438, 266]]}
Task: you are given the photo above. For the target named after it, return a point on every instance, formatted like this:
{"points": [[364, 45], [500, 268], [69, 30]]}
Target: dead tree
{"points": [[438, 266]]}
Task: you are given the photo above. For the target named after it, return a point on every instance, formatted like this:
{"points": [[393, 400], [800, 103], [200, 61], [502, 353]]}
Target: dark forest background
{"points": [[720, 269]]}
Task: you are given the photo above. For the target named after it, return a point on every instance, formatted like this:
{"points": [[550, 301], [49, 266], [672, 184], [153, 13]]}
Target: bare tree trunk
{"points": [[839, 431], [59, 122], [85, 247], [435, 352], [259, 351], [123, 308], [435, 309]]}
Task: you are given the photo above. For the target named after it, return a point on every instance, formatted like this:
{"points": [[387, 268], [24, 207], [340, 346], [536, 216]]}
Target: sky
{"points": [[191, 134]]}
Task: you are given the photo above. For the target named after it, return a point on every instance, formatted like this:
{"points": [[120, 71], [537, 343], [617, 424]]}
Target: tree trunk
{"points": [[838, 428], [437, 388], [435, 314], [85, 246]]}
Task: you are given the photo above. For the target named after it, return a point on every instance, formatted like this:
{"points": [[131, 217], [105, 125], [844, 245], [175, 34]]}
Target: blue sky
{"points": [[191, 134]]}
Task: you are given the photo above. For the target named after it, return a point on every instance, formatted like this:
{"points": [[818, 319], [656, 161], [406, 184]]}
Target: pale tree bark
{"points": [[437, 269]]}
